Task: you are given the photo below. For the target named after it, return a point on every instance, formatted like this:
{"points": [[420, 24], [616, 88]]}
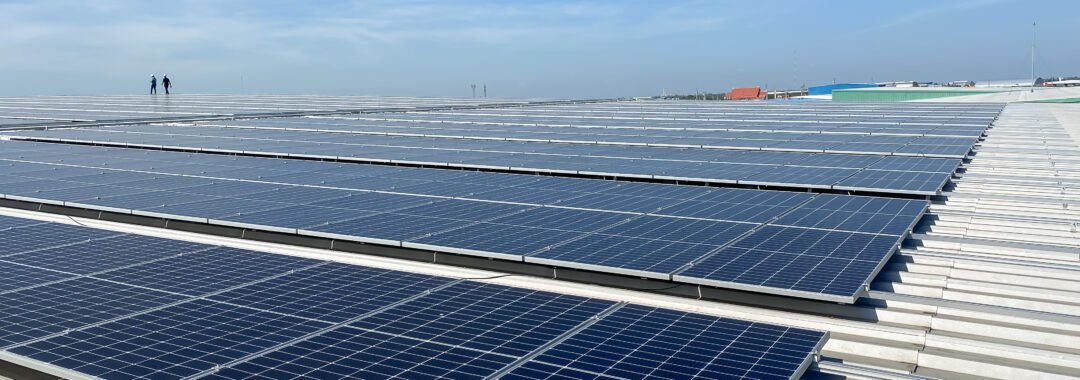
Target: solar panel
{"points": [[104, 254], [17, 276], [694, 347], [856, 214], [332, 292], [624, 255], [206, 271], [354, 353], [39, 236], [791, 260], [171, 342], [192, 310], [609, 160], [48, 309], [486, 318]]}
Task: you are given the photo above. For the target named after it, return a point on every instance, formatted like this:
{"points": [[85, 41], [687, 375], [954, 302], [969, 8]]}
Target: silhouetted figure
{"points": [[153, 85], [166, 83]]}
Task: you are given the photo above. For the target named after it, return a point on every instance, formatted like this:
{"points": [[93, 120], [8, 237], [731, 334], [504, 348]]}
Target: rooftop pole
{"points": [[1032, 56]]}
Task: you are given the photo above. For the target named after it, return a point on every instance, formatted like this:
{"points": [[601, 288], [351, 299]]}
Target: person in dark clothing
{"points": [[166, 82], [153, 85]]}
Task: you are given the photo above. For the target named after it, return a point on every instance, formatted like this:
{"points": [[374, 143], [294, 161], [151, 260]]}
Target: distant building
{"points": [[745, 93], [828, 88], [1062, 83], [1005, 83]]}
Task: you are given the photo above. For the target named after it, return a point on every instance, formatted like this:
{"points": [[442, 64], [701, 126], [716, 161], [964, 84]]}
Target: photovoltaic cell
{"points": [[40, 311], [486, 318], [173, 342], [652, 258], [104, 254], [350, 353], [333, 292], [694, 347], [206, 271], [499, 238], [833, 263], [20, 240], [17, 276]]}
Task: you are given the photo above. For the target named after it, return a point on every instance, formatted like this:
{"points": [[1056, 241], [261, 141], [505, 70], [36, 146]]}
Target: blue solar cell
{"points": [[526, 195], [829, 262], [534, 370], [565, 219], [694, 346], [916, 164], [389, 226], [349, 353], [499, 238], [9, 222], [894, 181], [82, 192], [16, 276], [464, 210], [799, 175], [144, 200], [26, 239], [680, 229], [738, 212], [620, 202], [174, 342], [36, 312], [366, 201], [298, 194], [207, 271], [487, 318], [332, 292], [857, 214], [104, 254], [215, 208], [300, 216], [618, 254], [657, 190]]}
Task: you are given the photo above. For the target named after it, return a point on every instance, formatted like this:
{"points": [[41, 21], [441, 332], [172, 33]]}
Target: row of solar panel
{"points": [[777, 108], [121, 306], [971, 131], [946, 126], [813, 142], [916, 175], [806, 131], [887, 107], [583, 116], [586, 224], [36, 111], [684, 106]]}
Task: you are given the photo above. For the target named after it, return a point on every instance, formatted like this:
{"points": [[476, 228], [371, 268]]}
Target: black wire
{"points": [[489, 278], [657, 289], [76, 221]]}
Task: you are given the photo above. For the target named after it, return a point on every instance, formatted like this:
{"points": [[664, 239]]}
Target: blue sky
{"points": [[520, 48]]}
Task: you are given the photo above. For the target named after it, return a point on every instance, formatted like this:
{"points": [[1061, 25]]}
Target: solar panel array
{"points": [[43, 110], [693, 234], [804, 139], [859, 172], [99, 303], [86, 302]]}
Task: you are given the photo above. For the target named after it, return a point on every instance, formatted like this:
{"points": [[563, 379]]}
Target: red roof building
{"points": [[745, 93]]}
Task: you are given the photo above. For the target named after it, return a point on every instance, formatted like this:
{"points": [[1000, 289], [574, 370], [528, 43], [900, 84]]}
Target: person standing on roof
{"points": [[153, 84], [166, 83]]}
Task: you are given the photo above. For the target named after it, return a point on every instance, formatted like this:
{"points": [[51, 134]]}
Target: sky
{"points": [[566, 49]]}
